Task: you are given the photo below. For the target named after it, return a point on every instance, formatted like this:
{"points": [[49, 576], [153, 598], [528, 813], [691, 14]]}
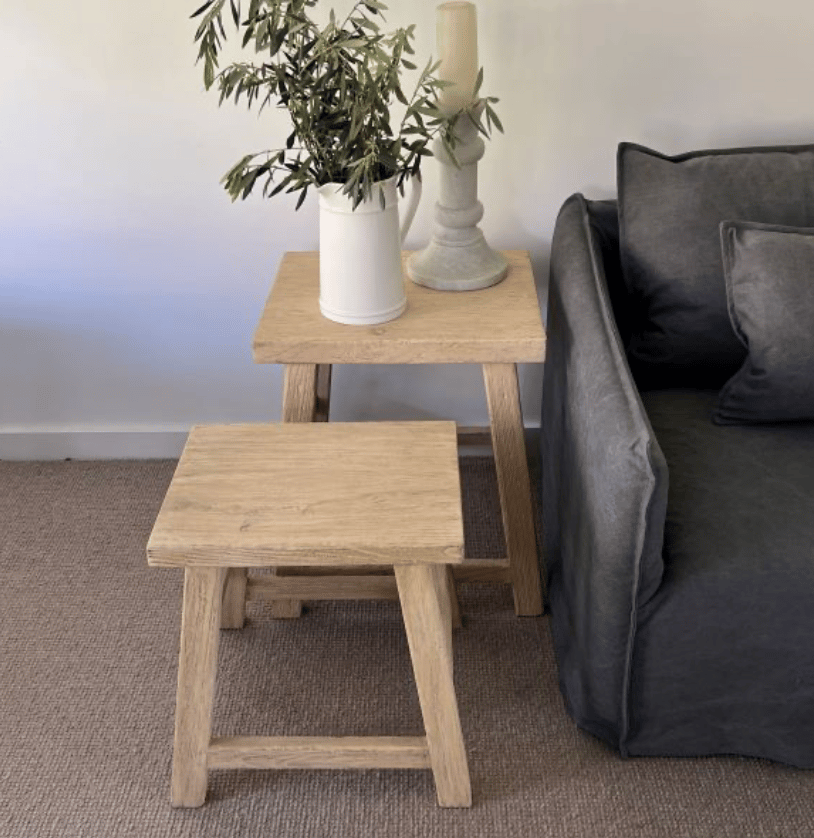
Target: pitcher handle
{"points": [[412, 206]]}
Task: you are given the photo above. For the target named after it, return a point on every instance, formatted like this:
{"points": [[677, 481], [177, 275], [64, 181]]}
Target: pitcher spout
{"points": [[328, 189]]}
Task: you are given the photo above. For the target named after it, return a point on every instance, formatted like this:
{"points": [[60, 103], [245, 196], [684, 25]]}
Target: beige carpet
{"points": [[89, 640]]}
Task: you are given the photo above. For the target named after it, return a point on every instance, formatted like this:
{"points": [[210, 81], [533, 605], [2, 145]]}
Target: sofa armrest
{"points": [[604, 485]]}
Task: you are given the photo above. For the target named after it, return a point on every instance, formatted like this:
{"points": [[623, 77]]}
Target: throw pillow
{"points": [[769, 273], [670, 209]]}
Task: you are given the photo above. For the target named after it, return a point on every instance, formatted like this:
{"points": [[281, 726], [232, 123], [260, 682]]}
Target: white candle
{"points": [[458, 53]]}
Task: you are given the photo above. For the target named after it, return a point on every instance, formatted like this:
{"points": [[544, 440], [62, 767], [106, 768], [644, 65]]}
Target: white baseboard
{"points": [[73, 444], [128, 444]]}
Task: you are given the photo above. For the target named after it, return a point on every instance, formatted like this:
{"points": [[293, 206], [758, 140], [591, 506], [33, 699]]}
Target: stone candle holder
{"points": [[458, 257]]}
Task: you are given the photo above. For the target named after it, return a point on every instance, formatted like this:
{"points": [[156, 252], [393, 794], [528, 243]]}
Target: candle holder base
{"points": [[467, 267]]}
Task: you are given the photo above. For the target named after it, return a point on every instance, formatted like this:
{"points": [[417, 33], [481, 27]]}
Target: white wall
{"points": [[130, 285]]}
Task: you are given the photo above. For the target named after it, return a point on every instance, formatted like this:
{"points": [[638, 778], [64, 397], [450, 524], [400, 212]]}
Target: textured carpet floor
{"points": [[89, 640]]}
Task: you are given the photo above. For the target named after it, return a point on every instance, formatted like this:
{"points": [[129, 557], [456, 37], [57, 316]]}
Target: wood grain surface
{"points": [[319, 752], [323, 587], [197, 663], [302, 494], [501, 323], [425, 605], [511, 464]]}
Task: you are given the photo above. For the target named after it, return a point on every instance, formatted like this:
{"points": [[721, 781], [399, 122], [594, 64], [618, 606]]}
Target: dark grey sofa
{"points": [[680, 553]]}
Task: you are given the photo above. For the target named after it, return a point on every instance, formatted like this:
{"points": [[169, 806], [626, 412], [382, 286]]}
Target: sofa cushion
{"points": [[670, 210], [723, 659], [769, 274]]}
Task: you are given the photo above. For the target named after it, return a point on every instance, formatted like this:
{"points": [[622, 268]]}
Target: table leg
{"points": [[299, 393], [454, 603], [322, 408], [306, 396], [508, 443], [197, 664], [425, 605]]}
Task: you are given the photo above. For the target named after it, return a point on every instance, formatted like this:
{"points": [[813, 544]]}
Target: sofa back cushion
{"points": [[670, 209], [603, 217]]}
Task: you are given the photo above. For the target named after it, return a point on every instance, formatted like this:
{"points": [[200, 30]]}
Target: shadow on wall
{"points": [[136, 376], [129, 328], [411, 392]]}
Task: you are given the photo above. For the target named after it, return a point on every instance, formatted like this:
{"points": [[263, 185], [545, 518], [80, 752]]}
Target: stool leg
{"points": [[233, 612], [197, 662], [424, 595]]}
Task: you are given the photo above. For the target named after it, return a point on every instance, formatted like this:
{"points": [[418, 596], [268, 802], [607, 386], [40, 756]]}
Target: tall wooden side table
{"points": [[496, 327]]}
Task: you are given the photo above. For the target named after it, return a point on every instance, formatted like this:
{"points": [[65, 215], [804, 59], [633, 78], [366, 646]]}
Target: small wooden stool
{"points": [[315, 495]]}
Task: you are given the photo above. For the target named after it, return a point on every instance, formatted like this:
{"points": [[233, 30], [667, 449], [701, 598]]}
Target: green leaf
{"points": [[282, 184], [209, 74], [240, 165], [479, 124], [479, 81], [450, 151], [248, 183], [302, 197], [202, 9], [493, 116], [364, 23]]}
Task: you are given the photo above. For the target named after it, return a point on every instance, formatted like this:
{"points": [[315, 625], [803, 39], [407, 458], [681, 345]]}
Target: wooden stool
{"points": [[315, 495]]}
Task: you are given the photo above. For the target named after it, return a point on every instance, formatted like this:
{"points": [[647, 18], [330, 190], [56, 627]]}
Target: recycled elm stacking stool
{"points": [[339, 495]]}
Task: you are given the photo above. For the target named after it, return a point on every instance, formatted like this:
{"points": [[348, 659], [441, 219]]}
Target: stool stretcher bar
{"points": [[472, 570], [318, 752], [322, 587]]}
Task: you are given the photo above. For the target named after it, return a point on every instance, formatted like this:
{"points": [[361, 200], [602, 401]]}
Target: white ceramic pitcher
{"points": [[360, 274]]}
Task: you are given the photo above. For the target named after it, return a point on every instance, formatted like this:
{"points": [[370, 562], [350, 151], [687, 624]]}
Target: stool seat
{"points": [[332, 495], [356, 493]]}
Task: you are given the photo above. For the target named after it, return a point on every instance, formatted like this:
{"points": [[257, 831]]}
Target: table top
{"points": [[501, 324], [264, 495]]}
